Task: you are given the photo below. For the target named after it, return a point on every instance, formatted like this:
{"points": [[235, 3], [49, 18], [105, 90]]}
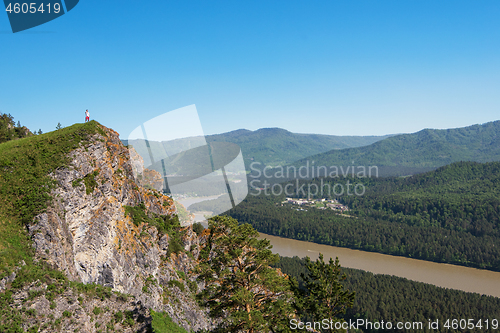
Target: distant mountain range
{"points": [[413, 153], [394, 155], [276, 146]]}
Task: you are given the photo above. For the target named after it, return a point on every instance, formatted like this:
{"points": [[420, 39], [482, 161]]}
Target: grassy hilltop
{"points": [[25, 191], [25, 185]]}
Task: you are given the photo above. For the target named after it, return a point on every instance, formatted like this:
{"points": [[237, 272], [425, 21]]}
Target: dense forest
{"points": [[390, 298], [449, 215], [277, 146], [428, 148]]}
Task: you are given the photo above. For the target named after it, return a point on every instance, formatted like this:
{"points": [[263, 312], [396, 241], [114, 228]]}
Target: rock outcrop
{"points": [[87, 234], [71, 311], [145, 177]]}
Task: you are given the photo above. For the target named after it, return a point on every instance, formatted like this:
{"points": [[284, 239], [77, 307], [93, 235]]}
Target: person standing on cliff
{"points": [[87, 116]]}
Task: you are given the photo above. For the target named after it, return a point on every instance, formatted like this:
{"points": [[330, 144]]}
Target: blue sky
{"points": [[329, 67]]}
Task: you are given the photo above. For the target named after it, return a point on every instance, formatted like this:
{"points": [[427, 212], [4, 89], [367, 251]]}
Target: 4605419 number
{"points": [[32, 8], [471, 324]]}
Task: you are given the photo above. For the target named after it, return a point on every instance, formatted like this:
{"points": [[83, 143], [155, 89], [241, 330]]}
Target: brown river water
{"points": [[441, 275]]}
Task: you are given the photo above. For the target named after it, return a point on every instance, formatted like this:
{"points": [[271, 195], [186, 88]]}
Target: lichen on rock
{"points": [[87, 234]]}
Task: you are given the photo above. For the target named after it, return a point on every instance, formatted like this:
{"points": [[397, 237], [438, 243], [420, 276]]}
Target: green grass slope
{"points": [[25, 185], [162, 323]]}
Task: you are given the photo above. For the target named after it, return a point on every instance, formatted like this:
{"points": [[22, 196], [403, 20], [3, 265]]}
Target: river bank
{"points": [[442, 275]]}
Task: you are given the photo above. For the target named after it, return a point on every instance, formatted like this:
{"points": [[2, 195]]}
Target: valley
{"points": [[450, 215], [436, 233], [466, 279], [250, 167]]}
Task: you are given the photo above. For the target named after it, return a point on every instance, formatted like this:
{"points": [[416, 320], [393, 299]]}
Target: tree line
{"points": [[245, 294], [249, 289], [449, 215], [391, 298]]}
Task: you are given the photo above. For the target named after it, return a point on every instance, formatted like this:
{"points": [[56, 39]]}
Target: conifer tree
{"points": [[6, 127], [241, 289], [323, 296]]}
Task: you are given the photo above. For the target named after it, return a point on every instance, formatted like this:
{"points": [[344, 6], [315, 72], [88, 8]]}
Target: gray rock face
{"points": [[6, 280], [87, 235], [78, 312]]}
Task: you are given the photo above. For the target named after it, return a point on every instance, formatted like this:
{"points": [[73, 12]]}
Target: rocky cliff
{"points": [[87, 233]]}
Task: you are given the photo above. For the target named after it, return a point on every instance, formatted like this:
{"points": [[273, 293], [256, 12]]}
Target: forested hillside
{"points": [[429, 148], [449, 215], [391, 298], [276, 146]]}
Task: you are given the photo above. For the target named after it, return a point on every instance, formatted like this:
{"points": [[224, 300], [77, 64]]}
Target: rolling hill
{"points": [[276, 146], [418, 152]]}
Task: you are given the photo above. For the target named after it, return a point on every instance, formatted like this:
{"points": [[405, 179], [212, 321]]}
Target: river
{"points": [[198, 216], [441, 275]]}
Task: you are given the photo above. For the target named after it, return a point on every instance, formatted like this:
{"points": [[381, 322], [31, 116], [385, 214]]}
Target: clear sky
{"points": [[331, 67]]}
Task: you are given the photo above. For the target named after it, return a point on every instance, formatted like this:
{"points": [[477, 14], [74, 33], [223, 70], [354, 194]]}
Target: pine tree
{"points": [[6, 127], [242, 290], [59, 126], [324, 296]]}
